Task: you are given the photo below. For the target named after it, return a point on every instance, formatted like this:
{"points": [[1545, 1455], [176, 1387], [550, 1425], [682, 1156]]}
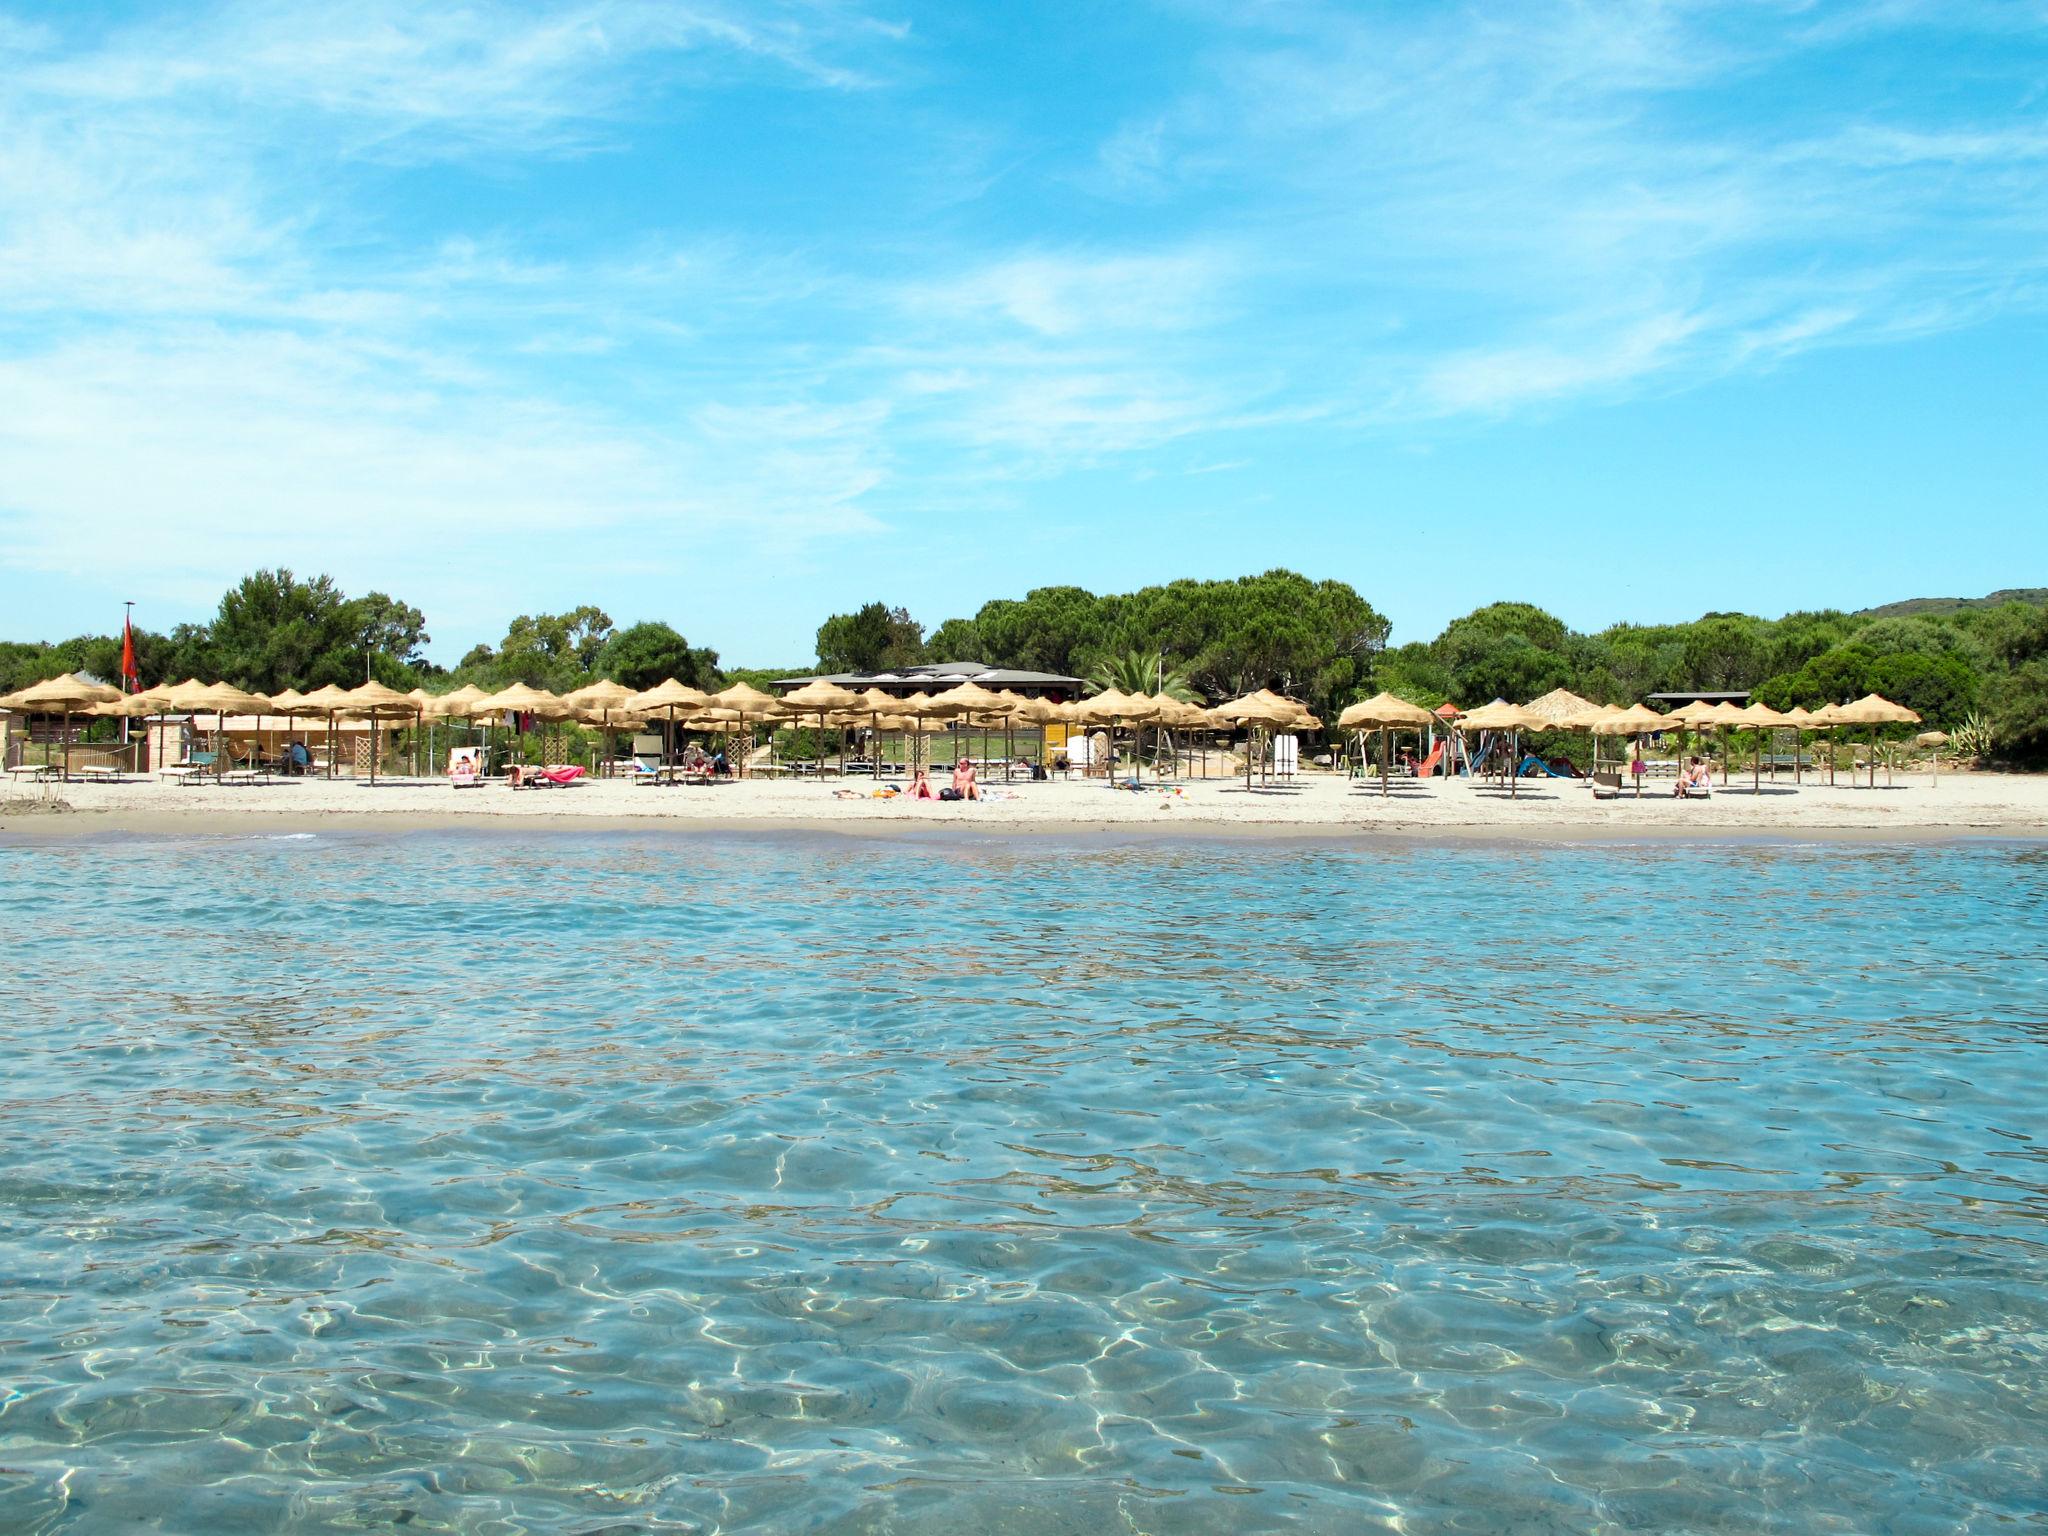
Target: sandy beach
{"points": [[1961, 804]]}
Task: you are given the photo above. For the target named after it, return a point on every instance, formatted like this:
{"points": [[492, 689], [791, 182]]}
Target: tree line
{"points": [[1984, 665], [1981, 665], [274, 630]]}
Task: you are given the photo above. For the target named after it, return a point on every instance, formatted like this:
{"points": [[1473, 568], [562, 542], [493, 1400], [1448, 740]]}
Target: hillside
{"points": [[1912, 605]]}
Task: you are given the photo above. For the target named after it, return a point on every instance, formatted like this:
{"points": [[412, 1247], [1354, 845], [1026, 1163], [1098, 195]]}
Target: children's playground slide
{"points": [[1532, 765], [1428, 765]]}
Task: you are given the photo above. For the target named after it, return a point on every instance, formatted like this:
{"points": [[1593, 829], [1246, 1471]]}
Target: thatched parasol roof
{"points": [[667, 694], [749, 701], [819, 696], [1875, 709], [1633, 721], [521, 699], [1500, 715], [54, 695], [1558, 705], [1263, 707], [1383, 709]]}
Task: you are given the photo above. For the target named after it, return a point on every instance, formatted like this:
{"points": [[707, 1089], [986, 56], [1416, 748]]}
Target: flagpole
{"points": [[127, 658]]}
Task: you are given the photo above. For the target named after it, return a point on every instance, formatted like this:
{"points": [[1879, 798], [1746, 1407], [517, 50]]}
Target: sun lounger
{"points": [[1606, 786], [32, 770], [196, 767], [558, 776]]}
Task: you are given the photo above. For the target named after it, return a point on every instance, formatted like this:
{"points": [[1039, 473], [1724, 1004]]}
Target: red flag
{"points": [[131, 675]]}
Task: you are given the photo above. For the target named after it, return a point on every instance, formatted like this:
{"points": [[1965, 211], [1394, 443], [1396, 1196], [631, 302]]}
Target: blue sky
{"points": [[736, 315]]}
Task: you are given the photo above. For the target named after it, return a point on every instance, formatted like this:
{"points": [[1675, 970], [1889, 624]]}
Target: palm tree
{"points": [[1140, 672]]}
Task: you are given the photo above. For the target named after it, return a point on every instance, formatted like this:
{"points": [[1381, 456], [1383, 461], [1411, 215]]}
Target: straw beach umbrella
{"points": [[1823, 719], [1721, 715], [596, 704], [327, 700], [457, 704], [1873, 710], [1113, 707], [220, 700], [963, 702], [917, 708], [460, 704], [1559, 705], [1585, 720], [374, 702], [1800, 720], [1760, 717], [524, 699], [877, 704], [1499, 716], [66, 694], [1384, 712], [821, 698], [1637, 720], [748, 704], [1261, 710], [667, 696]]}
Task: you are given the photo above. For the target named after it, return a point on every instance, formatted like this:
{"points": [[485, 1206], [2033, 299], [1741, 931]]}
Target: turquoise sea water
{"points": [[619, 1183]]}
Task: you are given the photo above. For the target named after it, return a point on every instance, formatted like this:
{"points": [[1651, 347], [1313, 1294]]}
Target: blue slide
{"points": [[1533, 761]]}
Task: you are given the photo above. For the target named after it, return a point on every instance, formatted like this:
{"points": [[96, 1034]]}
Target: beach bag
{"points": [[949, 793]]}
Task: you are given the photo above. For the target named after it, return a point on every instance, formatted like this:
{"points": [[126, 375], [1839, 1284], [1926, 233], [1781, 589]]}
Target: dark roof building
{"points": [[936, 677], [1733, 696]]}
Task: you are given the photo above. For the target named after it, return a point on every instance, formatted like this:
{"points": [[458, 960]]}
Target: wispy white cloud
{"points": [[1368, 220]]}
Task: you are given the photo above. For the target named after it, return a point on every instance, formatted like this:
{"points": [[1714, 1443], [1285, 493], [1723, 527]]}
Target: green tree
{"points": [[388, 628], [645, 654], [956, 640], [274, 631], [1723, 652], [1046, 630], [1414, 673], [2019, 712], [553, 650], [1630, 661], [1833, 677], [1942, 690], [873, 638], [1512, 651], [1796, 639]]}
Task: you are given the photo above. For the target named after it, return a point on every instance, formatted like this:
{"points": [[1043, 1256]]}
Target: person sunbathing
{"points": [[1696, 781], [964, 786], [921, 787]]}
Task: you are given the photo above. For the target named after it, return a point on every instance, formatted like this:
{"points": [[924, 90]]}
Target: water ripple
{"points": [[628, 1183]]}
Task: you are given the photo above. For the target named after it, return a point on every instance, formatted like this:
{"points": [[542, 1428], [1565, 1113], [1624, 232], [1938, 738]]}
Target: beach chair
{"points": [[252, 771], [1606, 786], [197, 767]]}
